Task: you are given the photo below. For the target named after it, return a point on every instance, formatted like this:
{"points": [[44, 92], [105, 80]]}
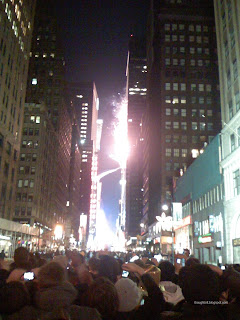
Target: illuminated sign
{"points": [[205, 239], [236, 242], [185, 222]]}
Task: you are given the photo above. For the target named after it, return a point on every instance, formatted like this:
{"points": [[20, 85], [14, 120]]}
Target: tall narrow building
{"points": [[16, 20], [227, 15], [45, 86], [84, 98], [137, 92], [183, 111]]}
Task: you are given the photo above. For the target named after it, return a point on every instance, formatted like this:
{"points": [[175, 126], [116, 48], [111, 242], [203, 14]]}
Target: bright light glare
{"points": [[58, 232], [121, 145], [104, 235]]}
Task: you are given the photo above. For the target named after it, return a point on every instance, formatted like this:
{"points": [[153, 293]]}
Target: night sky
{"points": [[95, 36]]}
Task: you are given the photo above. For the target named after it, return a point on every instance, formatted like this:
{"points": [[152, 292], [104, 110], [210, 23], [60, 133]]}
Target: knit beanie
{"points": [[129, 295]]}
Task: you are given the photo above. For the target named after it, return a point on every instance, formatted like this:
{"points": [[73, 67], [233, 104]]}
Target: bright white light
{"points": [[34, 81], [58, 232], [104, 235], [165, 207], [142, 225], [79, 96], [121, 146], [82, 141]]}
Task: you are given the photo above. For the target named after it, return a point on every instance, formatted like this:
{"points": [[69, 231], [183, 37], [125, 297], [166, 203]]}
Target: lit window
{"points": [[174, 37], [183, 112], [208, 88], [195, 153], [175, 112], [168, 111], [167, 86], [193, 87], [184, 153], [168, 152], [192, 50], [201, 86], [168, 99], [176, 152], [209, 113], [175, 86], [175, 125], [38, 119], [202, 126], [32, 118], [183, 86], [183, 100], [34, 81], [167, 125], [194, 126], [184, 125]]}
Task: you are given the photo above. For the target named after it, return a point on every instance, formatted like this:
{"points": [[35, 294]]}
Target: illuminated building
{"points": [[199, 226], [183, 113], [86, 102], [45, 86], [137, 74], [227, 28], [16, 20]]}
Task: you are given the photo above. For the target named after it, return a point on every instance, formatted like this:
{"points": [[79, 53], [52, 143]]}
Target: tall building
{"points": [[137, 91], [16, 20], [227, 14], [45, 86], [84, 98], [183, 112], [35, 176]]}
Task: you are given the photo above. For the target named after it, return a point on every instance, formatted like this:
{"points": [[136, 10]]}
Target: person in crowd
{"points": [[192, 261], [109, 268], [130, 296], [172, 292], [20, 265], [202, 287], [103, 296]]}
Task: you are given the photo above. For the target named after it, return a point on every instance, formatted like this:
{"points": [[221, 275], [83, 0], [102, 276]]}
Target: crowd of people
{"points": [[109, 287]]}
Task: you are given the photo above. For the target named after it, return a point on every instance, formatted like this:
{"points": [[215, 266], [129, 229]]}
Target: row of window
{"points": [[25, 183], [30, 132], [24, 197], [207, 200], [174, 166], [28, 157], [182, 38], [183, 99], [32, 119], [23, 211], [175, 152], [202, 126], [29, 144], [181, 27], [181, 62], [201, 87], [27, 170], [183, 112], [176, 138], [192, 50], [235, 140]]}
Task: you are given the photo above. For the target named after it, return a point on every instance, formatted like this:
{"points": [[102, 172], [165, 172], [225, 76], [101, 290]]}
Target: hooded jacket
{"points": [[172, 293]]}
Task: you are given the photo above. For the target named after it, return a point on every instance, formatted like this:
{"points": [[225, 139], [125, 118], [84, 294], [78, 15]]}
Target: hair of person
{"points": [[199, 283], [103, 296], [191, 262], [167, 270], [109, 268], [51, 274], [21, 257]]}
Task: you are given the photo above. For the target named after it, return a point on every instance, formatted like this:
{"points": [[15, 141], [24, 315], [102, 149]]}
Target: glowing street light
{"points": [[165, 207]]}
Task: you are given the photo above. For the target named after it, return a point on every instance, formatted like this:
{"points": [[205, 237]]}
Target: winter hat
{"points": [[51, 274], [129, 295]]}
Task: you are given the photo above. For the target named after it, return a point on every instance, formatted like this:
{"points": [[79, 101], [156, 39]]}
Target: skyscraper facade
{"points": [[227, 14], [45, 86], [137, 92], [85, 100], [183, 112], [16, 20]]}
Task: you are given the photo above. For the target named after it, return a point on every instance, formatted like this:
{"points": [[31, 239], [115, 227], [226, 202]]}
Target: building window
{"points": [[232, 142], [182, 38], [202, 126], [199, 39], [175, 86], [230, 109], [183, 100], [167, 37], [184, 153], [168, 111], [198, 28], [176, 152], [237, 100], [168, 138], [183, 112], [209, 113], [175, 125], [194, 139], [34, 81], [182, 49], [174, 37], [167, 49], [192, 62], [175, 112], [167, 86], [210, 126], [37, 119], [168, 152], [191, 27], [20, 183], [184, 125], [209, 100], [167, 62], [168, 166], [235, 69], [167, 27], [208, 88], [31, 185], [201, 87], [236, 182], [168, 99], [183, 86], [193, 87], [175, 100], [175, 62], [176, 138], [167, 125], [194, 126]]}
